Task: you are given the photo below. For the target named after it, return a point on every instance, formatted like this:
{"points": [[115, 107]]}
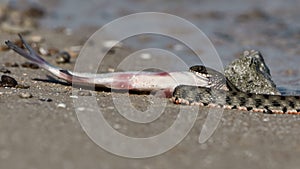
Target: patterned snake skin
{"points": [[271, 104], [231, 98]]}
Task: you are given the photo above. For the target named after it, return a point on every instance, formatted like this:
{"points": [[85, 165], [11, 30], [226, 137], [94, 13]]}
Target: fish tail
{"points": [[32, 55], [35, 58]]}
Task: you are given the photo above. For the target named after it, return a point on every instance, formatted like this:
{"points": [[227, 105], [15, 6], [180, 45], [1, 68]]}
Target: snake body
{"points": [[271, 104], [232, 98]]}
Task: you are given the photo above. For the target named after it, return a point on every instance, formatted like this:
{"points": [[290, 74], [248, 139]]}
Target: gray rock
{"points": [[250, 74]]}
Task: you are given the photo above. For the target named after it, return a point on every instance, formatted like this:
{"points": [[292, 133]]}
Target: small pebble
{"points": [[4, 70], [74, 97], [43, 51], [266, 119], [63, 57], [45, 99], [30, 65], [7, 81], [9, 64], [25, 95], [62, 105]]}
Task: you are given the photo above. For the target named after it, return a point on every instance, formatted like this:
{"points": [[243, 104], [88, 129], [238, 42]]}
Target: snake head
{"points": [[216, 79]]}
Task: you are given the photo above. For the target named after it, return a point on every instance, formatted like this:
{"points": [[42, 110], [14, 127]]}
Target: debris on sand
{"points": [[61, 105], [30, 65], [43, 51], [10, 64], [46, 99], [7, 81], [25, 95], [63, 57], [4, 70]]}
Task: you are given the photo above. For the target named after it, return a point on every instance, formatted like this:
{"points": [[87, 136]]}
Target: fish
{"points": [[142, 81]]}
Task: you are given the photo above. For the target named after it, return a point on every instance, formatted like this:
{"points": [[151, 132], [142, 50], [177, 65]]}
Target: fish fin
{"points": [[32, 55]]}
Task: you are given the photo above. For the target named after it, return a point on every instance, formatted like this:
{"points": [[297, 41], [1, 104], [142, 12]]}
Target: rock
{"points": [[62, 105], [45, 99], [25, 95], [250, 74], [43, 51], [7, 81], [30, 65], [63, 57], [9, 64]]}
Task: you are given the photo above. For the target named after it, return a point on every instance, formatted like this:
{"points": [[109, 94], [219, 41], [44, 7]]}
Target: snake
{"points": [[265, 103], [223, 94], [201, 86]]}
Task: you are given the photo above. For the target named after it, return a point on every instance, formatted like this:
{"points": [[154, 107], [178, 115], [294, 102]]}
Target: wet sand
{"points": [[44, 132]]}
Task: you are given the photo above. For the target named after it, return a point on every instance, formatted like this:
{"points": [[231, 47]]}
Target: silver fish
{"points": [[133, 81]]}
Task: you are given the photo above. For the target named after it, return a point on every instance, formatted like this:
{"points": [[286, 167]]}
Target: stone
{"points": [[250, 74]]}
